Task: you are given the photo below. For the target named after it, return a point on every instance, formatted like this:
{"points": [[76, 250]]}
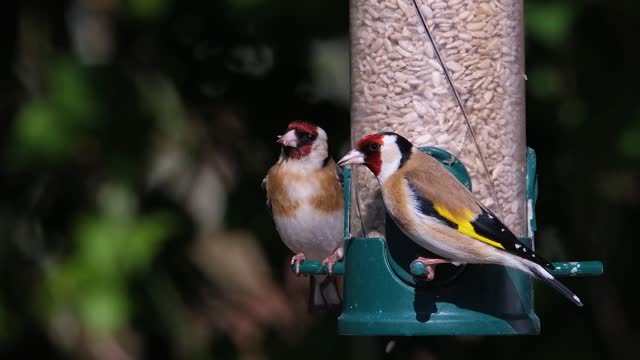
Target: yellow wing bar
{"points": [[465, 226]]}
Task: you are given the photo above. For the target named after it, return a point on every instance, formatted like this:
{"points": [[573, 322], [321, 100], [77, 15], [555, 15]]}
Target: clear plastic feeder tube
{"points": [[399, 84]]}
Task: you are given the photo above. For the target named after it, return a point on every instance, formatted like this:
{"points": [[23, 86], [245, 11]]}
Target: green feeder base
{"points": [[392, 307], [384, 293]]}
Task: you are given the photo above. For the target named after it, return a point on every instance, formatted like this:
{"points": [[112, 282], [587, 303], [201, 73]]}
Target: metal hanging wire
{"points": [[456, 95]]}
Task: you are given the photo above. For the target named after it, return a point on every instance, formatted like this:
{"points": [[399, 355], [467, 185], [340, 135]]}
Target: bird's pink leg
{"points": [[297, 259], [431, 265], [333, 259]]}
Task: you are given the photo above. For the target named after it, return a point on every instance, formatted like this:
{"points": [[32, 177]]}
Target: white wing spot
{"points": [[489, 216], [524, 249], [501, 230], [576, 298], [546, 274], [518, 246], [533, 255]]}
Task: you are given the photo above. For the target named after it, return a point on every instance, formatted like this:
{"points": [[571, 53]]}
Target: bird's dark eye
{"points": [[374, 146], [309, 136]]}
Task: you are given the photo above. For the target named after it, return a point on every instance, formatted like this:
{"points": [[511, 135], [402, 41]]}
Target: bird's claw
{"points": [[430, 264], [330, 261], [297, 259]]}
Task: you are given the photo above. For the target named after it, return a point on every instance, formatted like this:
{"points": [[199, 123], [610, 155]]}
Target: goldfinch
{"points": [[306, 201], [438, 213]]}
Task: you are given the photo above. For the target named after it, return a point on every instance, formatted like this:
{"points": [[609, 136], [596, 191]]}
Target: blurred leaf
{"points": [[549, 23], [7, 323], [629, 141], [147, 8], [572, 113], [117, 201], [144, 239], [544, 82], [51, 127], [103, 307], [72, 93], [111, 245], [38, 131], [244, 4], [99, 239]]}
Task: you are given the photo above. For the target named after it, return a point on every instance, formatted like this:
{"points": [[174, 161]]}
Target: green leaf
{"points": [[8, 323], [51, 127], [147, 8], [117, 201], [544, 82], [99, 241], [629, 141], [146, 235], [104, 307], [72, 93], [551, 23], [38, 132]]}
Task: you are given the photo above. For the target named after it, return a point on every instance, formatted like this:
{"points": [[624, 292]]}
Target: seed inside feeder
{"points": [[399, 85]]}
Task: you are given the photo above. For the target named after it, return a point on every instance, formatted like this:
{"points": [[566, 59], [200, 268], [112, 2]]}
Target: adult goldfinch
{"points": [[305, 196], [438, 213]]}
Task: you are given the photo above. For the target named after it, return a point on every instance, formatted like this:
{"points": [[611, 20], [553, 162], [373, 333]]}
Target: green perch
{"points": [[572, 268]]}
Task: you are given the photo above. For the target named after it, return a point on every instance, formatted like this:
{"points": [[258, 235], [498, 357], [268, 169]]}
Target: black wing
{"points": [[488, 225]]}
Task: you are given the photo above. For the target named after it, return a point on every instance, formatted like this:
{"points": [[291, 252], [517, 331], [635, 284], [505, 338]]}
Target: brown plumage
{"points": [[282, 204], [424, 171], [328, 197], [438, 213], [306, 200]]}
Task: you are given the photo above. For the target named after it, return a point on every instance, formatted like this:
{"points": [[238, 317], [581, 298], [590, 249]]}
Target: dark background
{"points": [[135, 134]]}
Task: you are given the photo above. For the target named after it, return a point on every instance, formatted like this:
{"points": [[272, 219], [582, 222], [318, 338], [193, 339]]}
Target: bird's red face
{"points": [[367, 152], [298, 141]]}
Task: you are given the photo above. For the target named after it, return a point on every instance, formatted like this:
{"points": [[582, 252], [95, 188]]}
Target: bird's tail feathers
{"points": [[324, 294], [545, 275]]}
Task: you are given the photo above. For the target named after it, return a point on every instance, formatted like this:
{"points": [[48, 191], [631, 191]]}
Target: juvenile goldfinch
{"points": [[438, 213], [305, 196]]}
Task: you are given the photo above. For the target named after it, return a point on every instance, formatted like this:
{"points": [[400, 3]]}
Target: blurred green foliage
{"points": [[110, 247], [629, 143], [549, 22], [147, 8], [49, 128], [136, 136]]}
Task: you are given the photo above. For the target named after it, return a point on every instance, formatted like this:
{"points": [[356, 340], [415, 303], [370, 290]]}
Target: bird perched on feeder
{"points": [[440, 214], [306, 201]]}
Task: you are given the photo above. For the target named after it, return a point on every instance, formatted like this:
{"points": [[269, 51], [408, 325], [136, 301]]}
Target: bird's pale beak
{"points": [[353, 157], [289, 139]]}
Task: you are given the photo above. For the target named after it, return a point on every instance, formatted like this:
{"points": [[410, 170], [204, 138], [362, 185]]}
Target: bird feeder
{"points": [[383, 293], [445, 73], [450, 74]]}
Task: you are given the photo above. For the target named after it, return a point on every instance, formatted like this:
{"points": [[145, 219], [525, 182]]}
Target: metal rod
{"points": [[572, 268], [462, 109]]}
